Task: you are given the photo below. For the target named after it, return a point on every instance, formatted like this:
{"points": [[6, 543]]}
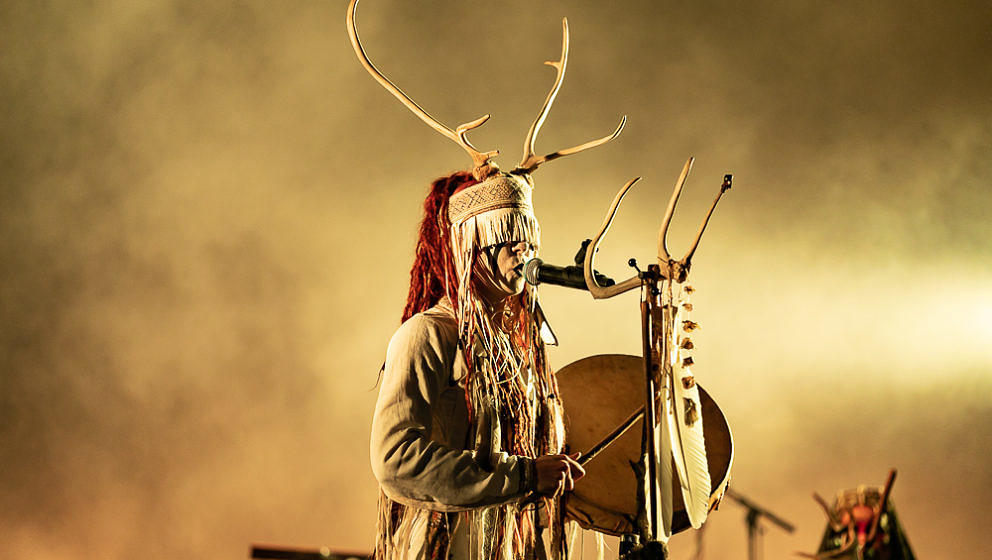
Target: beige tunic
{"points": [[420, 448]]}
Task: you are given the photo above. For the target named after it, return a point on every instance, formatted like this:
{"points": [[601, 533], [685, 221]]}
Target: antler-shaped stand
{"points": [[672, 410]]}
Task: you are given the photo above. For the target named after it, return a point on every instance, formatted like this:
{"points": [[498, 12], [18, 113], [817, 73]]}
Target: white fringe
{"points": [[500, 226]]}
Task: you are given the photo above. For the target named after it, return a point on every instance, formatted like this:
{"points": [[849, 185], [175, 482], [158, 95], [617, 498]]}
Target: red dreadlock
{"points": [[434, 261]]}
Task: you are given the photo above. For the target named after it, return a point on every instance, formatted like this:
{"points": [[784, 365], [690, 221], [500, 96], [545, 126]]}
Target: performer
{"points": [[468, 417], [467, 435]]}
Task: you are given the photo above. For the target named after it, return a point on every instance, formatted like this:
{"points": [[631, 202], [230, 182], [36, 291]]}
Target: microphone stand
{"points": [[754, 514]]}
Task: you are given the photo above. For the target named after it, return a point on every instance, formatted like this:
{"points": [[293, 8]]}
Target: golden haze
{"points": [[208, 214]]}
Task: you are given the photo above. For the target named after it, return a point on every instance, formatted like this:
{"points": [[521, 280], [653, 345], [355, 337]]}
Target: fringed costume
{"points": [[467, 399]]}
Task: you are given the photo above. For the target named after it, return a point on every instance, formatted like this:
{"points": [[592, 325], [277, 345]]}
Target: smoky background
{"points": [[208, 215]]}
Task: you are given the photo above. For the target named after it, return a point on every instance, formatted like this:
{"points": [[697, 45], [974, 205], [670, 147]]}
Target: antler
{"points": [[670, 268], [480, 159], [678, 270], [530, 162], [724, 187], [670, 211], [603, 292]]}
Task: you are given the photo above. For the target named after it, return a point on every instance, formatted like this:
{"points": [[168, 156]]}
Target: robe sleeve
{"points": [[413, 468]]}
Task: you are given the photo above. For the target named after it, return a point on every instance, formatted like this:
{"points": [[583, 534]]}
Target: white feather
{"points": [[688, 444]]}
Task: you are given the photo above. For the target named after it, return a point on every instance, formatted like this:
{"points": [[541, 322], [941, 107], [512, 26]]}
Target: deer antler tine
{"points": [[530, 162], [699, 234], [457, 135], [597, 291], [535, 127], [536, 161], [480, 158], [663, 232], [463, 128]]}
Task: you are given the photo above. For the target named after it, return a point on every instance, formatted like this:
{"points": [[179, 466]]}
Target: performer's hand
{"points": [[557, 473]]}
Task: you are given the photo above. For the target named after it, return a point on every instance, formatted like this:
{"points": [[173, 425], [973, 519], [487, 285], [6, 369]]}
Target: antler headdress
{"points": [[499, 207], [496, 190]]}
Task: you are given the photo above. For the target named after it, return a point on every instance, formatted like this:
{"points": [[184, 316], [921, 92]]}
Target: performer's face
{"points": [[502, 271]]}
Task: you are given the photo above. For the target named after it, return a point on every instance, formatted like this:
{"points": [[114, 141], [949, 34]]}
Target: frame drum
{"points": [[599, 393]]}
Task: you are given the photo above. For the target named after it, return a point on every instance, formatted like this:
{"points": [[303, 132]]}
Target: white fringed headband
{"points": [[499, 209]]}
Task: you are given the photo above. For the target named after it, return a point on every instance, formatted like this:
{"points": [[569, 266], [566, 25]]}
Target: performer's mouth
{"points": [[519, 269]]}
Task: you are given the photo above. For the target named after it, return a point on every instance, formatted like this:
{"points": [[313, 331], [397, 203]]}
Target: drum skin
{"points": [[599, 393]]}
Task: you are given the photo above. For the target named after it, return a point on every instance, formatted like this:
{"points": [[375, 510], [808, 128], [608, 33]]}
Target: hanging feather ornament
{"points": [[694, 474]]}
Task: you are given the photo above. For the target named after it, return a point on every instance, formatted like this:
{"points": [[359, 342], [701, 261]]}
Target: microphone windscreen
{"points": [[530, 271]]}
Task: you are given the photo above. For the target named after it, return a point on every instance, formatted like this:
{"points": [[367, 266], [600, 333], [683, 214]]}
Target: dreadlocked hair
{"points": [[433, 273]]}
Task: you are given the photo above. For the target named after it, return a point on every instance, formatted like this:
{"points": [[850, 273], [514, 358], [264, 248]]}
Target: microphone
{"points": [[537, 272]]}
